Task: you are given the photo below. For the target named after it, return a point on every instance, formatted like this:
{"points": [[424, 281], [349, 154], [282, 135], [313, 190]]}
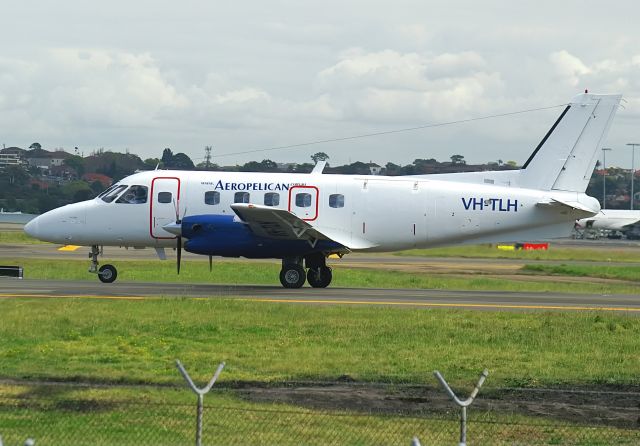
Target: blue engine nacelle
{"points": [[225, 235]]}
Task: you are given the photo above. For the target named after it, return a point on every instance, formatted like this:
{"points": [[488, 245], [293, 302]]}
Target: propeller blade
{"points": [[210, 263], [179, 253]]}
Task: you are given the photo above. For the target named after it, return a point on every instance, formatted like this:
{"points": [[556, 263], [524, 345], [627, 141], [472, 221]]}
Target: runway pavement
{"points": [[478, 300]]}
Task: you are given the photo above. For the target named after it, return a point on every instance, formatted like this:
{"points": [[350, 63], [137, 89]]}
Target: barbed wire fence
{"points": [[164, 423], [70, 415]]}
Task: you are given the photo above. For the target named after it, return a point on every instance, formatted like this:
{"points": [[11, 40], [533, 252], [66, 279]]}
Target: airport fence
{"points": [[94, 419]]}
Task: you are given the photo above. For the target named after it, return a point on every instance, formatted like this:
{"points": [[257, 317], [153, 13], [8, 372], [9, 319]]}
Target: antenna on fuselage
{"points": [[320, 165]]}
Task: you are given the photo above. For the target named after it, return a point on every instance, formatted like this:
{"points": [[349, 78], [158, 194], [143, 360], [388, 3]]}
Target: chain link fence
{"points": [[103, 421]]}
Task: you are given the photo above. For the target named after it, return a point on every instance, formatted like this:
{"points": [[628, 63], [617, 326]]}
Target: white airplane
{"points": [[611, 219], [304, 218]]}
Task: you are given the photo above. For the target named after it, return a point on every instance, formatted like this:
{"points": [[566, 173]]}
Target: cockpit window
{"points": [[110, 194], [107, 190], [134, 195]]}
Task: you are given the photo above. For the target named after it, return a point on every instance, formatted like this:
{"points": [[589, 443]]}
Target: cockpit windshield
{"points": [[110, 194], [107, 190], [134, 195]]}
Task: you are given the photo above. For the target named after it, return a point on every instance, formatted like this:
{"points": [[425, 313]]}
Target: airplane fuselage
{"points": [[374, 213]]}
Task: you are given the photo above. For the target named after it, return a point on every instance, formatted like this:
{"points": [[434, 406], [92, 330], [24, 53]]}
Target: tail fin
{"points": [[565, 158]]}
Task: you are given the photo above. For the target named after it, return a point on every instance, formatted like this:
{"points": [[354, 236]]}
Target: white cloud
{"points": [[568, 67], [392, 86]]}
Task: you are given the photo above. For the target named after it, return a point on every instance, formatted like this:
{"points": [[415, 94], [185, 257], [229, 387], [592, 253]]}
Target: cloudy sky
{"points": [[251, 75]]}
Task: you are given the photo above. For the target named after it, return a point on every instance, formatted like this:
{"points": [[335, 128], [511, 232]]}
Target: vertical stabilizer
{"points": [[565, 158]]}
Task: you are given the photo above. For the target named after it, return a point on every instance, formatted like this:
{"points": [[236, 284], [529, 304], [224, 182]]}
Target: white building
{"points": [[10, 159]]}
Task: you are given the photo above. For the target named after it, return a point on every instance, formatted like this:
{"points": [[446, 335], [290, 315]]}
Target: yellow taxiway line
{"points": [[347, 302], [75, 296], [437, 304]]}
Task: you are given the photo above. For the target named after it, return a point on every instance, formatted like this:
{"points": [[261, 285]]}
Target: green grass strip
{"points": [[612, 254], [138, 341], [18, 237], [606, 272]]}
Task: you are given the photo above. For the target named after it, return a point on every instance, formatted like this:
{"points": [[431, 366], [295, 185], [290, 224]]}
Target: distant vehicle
{"points": [[624, 221], [303, 218]]}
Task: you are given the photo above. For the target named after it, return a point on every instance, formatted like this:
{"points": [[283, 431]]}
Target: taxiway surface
{"points": [[479, 300]]}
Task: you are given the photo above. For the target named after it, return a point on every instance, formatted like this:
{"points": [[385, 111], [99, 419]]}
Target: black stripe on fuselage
{"points": [[546, 137]]}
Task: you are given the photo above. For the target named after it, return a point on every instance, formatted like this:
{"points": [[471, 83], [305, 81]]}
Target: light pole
{"points": [[604, 176], [633, 167]]}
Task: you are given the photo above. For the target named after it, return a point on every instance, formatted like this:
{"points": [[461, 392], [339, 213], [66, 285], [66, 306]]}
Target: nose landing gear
{"points": [[106, 273]]}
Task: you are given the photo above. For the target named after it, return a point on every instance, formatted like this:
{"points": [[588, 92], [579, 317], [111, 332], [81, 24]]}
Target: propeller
{"points": [[178, 224]]}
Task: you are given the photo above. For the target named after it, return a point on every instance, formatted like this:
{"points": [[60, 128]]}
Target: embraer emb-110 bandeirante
{"points": [[304, 218]]}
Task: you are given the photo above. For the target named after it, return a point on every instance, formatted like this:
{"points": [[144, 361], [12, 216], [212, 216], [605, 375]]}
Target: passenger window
{"points": [[241, 197], [110, 195], [134, 195], [271, 199], [164, 197], [303, 200], [212, 197], [336, 201]]}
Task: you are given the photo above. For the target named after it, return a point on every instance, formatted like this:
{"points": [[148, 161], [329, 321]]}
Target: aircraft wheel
{"points": [[107, 273], [319, 277], [292, 276]]}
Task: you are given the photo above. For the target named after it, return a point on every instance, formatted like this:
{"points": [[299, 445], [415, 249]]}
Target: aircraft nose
{"points": [[31, 228], [61, 225]]}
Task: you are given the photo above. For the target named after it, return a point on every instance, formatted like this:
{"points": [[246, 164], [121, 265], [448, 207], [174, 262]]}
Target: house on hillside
{"points": [[44, 160], [10, 159], [62, 173], [93, 177], [13, 150], [375, 169]]}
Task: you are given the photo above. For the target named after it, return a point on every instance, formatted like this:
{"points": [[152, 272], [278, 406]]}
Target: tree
{"points": [[181, 161], [269, 166], [16, 175], [76, 163], [97, 187], [35, 145], [319, 156], [251, 166], [167, 157], [457, 159], [151, 163]]}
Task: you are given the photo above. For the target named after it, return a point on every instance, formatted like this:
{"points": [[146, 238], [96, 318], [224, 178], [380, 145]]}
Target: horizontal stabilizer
{"points": [[575, 205]]}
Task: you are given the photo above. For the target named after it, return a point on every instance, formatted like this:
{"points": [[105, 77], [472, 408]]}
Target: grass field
{"points": [[264, 273], [17, 237], [612, 254], [124, 341], [607, 272]]}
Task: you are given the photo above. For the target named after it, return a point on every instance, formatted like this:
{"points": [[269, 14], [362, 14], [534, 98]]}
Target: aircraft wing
{"points": [[270, 222]]}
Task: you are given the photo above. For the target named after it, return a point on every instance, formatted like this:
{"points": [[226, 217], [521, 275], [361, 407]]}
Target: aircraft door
{"points": [[165, 200], [303, 202]]}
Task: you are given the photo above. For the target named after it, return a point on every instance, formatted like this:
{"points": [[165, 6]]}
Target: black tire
{"points": [[319, 277], [292, 276], [107, 273]]}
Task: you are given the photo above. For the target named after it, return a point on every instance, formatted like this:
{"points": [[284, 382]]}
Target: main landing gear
{"points": [[292, 274], [106, 273]]}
